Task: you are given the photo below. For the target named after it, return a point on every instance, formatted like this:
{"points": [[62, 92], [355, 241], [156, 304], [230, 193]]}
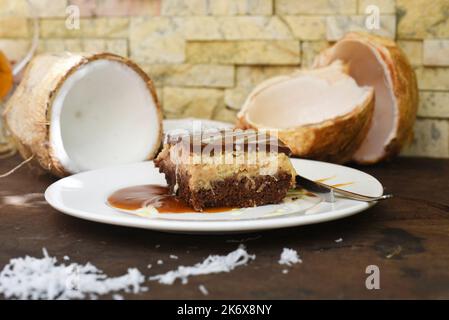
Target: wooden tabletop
{"points": [[407, 237]]}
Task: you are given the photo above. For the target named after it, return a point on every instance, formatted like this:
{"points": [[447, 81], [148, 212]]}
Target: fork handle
{"points": [[356, 196]]}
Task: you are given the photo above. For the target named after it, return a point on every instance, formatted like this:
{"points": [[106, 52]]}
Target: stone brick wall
{"points": [[206, 55]]}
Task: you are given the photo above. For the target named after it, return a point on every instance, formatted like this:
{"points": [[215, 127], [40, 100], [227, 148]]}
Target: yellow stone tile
{"points": [[420, 19], [436, 52], [156, 40], [239, 7], [225, 114], [14, 27], [431, 139], [433, 78], [385, 6], [316, 7], [338, 26], [310, 49], [307, 27], [244, 52], [247, 78], [192, 102], [184, 8], [89, 28], [191, 75], [434, 104], [413, 50]]}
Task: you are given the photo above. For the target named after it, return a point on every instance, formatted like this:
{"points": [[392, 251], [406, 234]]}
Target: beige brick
{"points": [[14, 49], [436, 78], [244, 52], [192, 102], [247, 78], [117, 46], [14, 8], [309, 50], [307, 27], [431, 139], [413, 50], [89, 28], [94, 45], [436, 53], [14, 27], [191, 75], [433, 104], [49, 8], [423, 19], [90, 8], [239, 7], [59, 45], [338, 26], [225, 114], [291, 7], [233, 28], [385, 6], [184, 8], [156, 40]]}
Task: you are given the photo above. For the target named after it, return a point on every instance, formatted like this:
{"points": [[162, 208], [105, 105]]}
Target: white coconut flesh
{"points": [[305, 98], [367, 67], [102, 115]]}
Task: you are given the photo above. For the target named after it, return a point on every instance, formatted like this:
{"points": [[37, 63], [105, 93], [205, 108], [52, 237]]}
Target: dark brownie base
{"points": [[238, 193]]}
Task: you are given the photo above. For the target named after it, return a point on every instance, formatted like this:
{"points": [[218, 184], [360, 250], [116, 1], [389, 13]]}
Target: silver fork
{"points": [[327, 192]]}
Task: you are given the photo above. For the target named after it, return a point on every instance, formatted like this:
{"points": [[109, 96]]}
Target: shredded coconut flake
{"points": [[160, 262], [203, 290], [339, 240], [289, 257], [172, 256], [43, 278], [24, 200], [212, 264]]}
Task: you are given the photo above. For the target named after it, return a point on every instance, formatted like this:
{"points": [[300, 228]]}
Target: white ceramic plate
{"points": [[84, 196]]}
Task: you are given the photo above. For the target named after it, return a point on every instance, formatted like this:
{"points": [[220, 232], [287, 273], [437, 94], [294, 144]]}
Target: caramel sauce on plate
{"points": [[137, 197]]}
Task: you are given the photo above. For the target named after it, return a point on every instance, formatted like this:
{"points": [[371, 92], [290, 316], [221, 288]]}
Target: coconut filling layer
{"points": [[305, 99], [204, 170], [103, 114], [368, 69]]}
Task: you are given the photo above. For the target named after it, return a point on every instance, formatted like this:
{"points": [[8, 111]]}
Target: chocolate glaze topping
{"points": [[227, 141]]}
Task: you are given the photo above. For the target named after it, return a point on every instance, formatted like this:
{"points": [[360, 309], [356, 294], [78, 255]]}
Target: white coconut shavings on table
{"points": [[338, 240], [203, 290], [23, 200], [212, 264], [43, 278], [289, 257]]}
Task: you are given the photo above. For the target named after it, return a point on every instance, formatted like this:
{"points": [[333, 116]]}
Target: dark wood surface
{"points": [[407, 237]]}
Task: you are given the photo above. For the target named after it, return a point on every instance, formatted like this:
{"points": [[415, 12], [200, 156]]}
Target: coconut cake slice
{"points": [[226, 168]]}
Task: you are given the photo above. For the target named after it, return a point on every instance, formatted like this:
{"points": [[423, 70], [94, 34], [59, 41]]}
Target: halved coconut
{"points": [[320, 113], [378, 62], [76, 112]]}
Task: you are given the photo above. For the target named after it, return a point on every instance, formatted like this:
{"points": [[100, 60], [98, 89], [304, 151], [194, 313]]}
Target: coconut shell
{"points": [[27, 113], [403, 82]]}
